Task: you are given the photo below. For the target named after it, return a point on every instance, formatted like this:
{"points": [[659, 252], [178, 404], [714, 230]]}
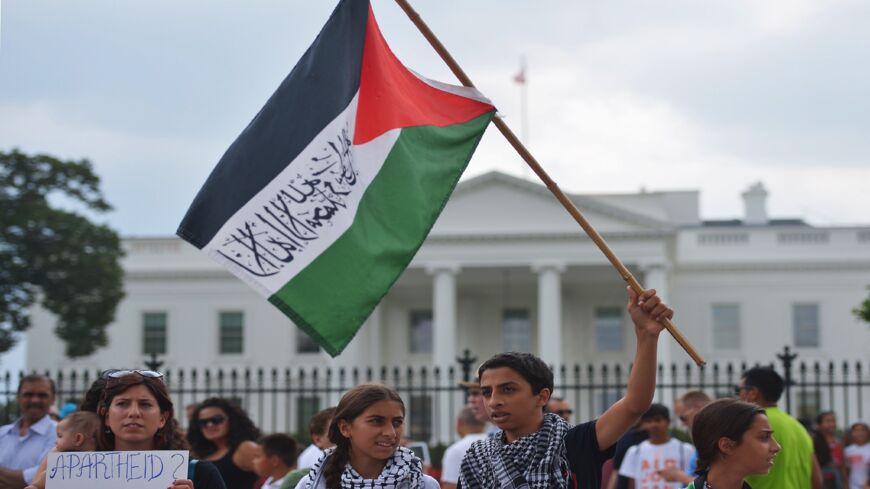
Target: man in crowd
{"points": [[475, 402], [795, 467], [25, 442], [470, 429], [686, 407], [318, 427], [560, 407]]}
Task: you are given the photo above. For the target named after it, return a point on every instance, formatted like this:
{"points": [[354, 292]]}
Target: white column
{"points": [[444, 315], [656, 277], [444, 340], [355, 351], [362, 352], [550, 313]]}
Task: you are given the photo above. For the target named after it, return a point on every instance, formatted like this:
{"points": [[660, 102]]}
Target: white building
{"points": [[506, 268]]}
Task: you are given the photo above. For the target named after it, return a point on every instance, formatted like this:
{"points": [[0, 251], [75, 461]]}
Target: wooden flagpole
{"points": [[536, 167]]}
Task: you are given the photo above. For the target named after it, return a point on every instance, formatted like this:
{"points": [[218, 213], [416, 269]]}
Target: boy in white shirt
{"points": [[643, 462], [318, 427]]}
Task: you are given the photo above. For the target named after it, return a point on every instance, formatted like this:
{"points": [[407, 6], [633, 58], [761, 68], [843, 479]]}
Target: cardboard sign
{"points": [[154, 469]]}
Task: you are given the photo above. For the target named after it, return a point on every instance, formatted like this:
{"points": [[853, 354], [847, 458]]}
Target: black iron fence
{"points": [[283, 399]]}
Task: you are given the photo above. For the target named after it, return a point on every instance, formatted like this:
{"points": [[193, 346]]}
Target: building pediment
{"points": [[499, 204]]}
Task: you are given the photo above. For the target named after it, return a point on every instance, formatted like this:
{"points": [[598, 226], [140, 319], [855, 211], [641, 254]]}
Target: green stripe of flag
{"points": [[333, 295]]}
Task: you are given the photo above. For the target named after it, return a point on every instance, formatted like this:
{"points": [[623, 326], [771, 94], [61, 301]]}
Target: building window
{"points": [[805, 318], [305, 344], [306, 407], [154, 333], [421, 331], [232, 332], [421, 417], [726, 326], [516, 330], [609, 330]]}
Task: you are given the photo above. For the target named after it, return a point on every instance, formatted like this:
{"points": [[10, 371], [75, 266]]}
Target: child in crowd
{"points": [[734, 440], [317, 428], [858, 456], [75, 433], [643, 462], [277, 457]]}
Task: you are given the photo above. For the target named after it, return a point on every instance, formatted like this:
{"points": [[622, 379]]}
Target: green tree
{"points": [[59, 257], [863, 311]]}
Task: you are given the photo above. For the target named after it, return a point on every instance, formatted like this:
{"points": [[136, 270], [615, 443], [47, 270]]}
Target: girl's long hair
{"points": [[728, 418], [351, 405], [168, 437], [820, 443], [241, 428]]}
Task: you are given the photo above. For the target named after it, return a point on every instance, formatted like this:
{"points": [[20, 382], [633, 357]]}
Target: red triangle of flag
{"points": [[391, 96]]}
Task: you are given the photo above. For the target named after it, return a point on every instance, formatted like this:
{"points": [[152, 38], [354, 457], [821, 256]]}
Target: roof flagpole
{"points": [[550, 184]]}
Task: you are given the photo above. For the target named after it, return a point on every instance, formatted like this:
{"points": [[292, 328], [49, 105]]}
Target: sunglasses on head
{"points": [[117, 374], [217, 419]]}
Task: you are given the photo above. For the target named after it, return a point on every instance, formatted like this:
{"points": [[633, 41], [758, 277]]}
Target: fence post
{"points": [[787, 357], [153, 363], [465, 361]]}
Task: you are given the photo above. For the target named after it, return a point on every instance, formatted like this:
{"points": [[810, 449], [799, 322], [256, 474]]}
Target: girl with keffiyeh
{"points": [[367, 430], [536, 450]]}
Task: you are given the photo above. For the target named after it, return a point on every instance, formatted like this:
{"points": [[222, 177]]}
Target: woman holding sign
{"points": [[137, 415], [367, 432]]}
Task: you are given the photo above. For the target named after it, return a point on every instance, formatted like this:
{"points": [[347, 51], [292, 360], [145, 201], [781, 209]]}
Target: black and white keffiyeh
{"points": [[536, 461], [403, 471]]}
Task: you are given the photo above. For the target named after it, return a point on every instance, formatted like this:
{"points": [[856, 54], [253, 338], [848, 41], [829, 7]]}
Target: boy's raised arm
{"points": [[645, 310]]}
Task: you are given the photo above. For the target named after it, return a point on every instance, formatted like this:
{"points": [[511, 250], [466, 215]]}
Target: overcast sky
{"points": [[710, 95]]}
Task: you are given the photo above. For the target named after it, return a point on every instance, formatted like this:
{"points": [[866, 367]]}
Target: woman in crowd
{"points": [[223, 434], [734, 440], [829, 451], [137, 414], [367, 432]]}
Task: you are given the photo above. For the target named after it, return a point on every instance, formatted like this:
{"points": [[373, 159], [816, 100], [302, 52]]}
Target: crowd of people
{"points": [[514, 433]]}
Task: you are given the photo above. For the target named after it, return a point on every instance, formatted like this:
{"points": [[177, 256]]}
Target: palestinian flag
{"points": [[325, 197]]}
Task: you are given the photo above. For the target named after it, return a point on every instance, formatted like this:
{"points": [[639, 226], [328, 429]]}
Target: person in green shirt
{"points": [[796, 466], [734, 439]]}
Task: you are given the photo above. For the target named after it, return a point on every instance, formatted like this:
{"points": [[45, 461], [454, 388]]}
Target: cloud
{"points": [[150, 180], [623, 94]]}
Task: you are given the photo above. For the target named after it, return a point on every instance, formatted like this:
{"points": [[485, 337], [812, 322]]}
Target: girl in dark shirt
{"points": [[223, 434]]}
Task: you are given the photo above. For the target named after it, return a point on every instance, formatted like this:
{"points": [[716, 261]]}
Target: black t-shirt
{"points": [[585, 457], [233, 476], [205, 475]]}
